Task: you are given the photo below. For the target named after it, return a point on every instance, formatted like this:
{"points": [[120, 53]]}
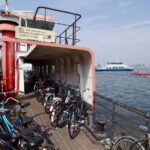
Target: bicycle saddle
{"points": [[144, 129], [28, 135], [33, 141], [5, 136], [24, 131], [24, 104]]}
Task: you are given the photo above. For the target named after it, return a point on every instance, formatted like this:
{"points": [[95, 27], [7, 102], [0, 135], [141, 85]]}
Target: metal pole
{"points": [[147, 120], [113, 120]]}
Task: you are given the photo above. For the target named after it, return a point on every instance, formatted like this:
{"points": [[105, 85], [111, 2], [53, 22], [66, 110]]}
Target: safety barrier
{"points": [[120, 118]]}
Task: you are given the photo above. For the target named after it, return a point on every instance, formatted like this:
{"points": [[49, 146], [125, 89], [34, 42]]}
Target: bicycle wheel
{"points": [[53, 118], [53, 115], [61, 120], [126, 143], [38, 96], [47, 108], [73, 125]]}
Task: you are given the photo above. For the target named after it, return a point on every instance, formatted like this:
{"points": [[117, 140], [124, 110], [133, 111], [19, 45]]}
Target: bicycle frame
{"points": [[7, 124], [9, 127], [145, 142]]}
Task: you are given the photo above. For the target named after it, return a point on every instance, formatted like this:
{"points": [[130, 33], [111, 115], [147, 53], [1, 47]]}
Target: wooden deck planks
{"points": [[60, 137]]}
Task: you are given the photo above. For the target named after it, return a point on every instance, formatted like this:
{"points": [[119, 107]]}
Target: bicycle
{"points": [[6, 126], [130, 143], [14, 138], [76, 113], [71, 111], [59, 107]]}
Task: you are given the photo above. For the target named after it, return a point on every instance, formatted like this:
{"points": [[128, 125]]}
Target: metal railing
{"points": [[120, 118], [70, 31]]}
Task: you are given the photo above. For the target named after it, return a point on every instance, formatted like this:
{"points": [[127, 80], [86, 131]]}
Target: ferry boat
{"points": [[115, 66], [28, 37]]}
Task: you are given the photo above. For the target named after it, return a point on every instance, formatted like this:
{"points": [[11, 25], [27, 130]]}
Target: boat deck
{"points": [[60, 137]]}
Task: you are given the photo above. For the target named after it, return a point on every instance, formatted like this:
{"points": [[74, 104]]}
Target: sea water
{"points": [[123, 86]]}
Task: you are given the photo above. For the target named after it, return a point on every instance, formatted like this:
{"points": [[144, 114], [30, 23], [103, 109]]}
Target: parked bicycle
{"points": [[25, 124], [71, 111], [130, 143], [59, 104], [14, 138], [45, 92], [76, 113]]}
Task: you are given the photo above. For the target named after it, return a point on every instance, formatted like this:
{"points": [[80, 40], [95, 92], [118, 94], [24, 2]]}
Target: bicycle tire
{"points": [[53, 115], [53, 119], [73, 125], [47, 108], [126, 143], [38, 97], [61, 120]]}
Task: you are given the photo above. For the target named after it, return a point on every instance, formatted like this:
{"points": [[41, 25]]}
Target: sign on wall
{"points": [[35, 34]]}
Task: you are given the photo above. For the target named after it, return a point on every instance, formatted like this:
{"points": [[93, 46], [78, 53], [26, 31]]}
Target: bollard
{"points": [[100, 125], [91, 118]]}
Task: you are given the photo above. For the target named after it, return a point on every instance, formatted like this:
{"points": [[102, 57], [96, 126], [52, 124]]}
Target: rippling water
{"points": [[130, 89]]}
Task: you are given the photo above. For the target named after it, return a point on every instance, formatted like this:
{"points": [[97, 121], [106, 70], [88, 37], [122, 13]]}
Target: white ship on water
{"points": [[114, 66]]}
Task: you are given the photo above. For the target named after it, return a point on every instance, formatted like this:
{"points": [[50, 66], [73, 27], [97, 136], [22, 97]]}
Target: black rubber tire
{"points": [[53, 123], [47, 108], [73, 125], [38, 97], [53, 114], [126, 143], [61, 120]]}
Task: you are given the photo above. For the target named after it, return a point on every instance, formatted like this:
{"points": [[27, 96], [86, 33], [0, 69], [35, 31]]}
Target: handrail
{"points": [[118, 103], [122, 118], [73, 25]]}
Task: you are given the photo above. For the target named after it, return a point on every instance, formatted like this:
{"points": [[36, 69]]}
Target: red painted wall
{"points": [[8, 61]]}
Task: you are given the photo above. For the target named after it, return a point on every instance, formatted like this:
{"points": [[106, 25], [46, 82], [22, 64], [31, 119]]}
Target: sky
{"points": [[116, 30]]}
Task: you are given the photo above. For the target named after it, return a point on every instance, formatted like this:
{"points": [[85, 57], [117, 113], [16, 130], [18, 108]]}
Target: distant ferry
{"points": [[113, 67]]}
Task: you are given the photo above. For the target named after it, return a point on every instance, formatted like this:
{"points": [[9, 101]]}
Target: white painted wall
{"points": [[21, 75]]}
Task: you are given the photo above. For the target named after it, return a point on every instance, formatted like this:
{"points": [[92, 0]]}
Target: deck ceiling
{"points": [[48, 54]]}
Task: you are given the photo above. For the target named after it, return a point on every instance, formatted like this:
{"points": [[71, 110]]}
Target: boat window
{"points": [[40, 24]]}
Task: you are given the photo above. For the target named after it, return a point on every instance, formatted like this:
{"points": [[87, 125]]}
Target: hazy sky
{"points": [[117, 30]]}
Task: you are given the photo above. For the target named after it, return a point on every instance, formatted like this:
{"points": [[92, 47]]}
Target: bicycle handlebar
{"points": [[87, 89], [10, 98], [2, 110]]}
